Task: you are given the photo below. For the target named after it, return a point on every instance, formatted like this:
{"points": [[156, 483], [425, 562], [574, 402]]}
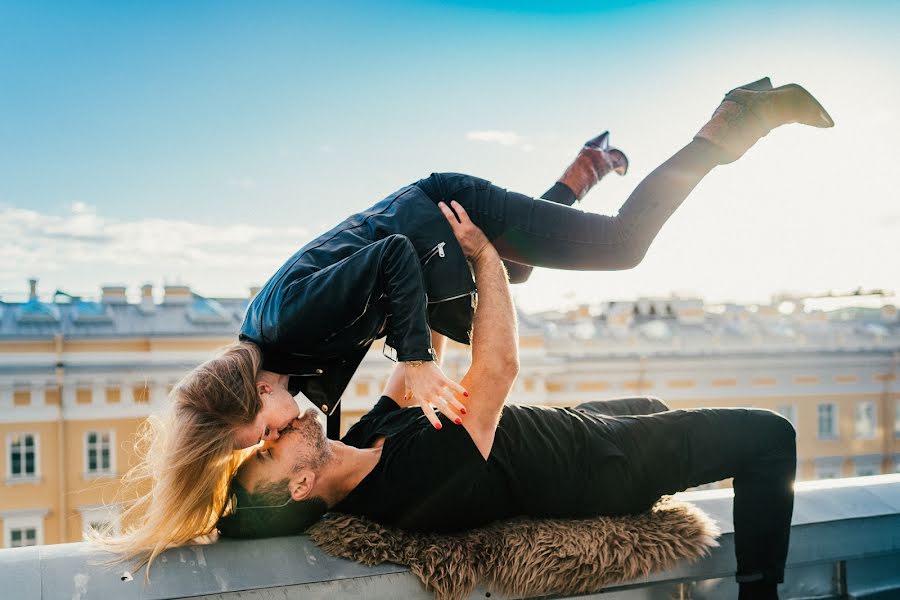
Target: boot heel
{"points": [[619, 161]]}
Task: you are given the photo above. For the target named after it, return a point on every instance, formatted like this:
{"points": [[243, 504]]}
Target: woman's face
{"points": [[278, 410]]}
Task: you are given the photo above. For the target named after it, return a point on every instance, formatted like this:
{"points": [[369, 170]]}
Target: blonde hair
{"points": [[187, 457]]}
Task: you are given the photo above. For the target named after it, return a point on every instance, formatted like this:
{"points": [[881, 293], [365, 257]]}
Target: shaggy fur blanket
{"points": [[530, 557]]}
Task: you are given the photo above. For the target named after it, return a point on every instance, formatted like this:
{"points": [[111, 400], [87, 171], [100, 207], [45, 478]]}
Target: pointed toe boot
{"points": [[595, 159], [749, 112]]}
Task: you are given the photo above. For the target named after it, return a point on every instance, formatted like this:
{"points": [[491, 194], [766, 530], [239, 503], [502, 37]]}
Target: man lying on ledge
{"points": [[499, 461]]}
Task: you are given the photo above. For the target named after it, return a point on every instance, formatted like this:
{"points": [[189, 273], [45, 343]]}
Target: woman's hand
{"points": [[430, 388], [470, 237]]}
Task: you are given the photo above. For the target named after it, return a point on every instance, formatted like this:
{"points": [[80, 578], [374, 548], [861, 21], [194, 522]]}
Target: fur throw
{"points": [[529, 557]]}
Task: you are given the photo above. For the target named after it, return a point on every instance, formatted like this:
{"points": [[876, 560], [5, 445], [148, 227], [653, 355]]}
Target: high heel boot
{"points": [[749, 112], [595, 159]]}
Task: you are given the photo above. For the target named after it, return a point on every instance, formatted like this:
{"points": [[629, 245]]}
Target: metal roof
{"points": [[83, 319]]}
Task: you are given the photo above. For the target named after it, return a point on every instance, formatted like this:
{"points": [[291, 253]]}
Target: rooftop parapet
{"points": [[845, 539]]}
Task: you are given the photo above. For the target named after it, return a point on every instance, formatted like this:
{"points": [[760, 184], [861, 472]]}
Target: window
{"points": [[553, 386], [23, 528], [867, 464], [828, 471], [83, 395], [864, 419], [51, 396], [26, 536], [22, 397], [141, 394], [98, 452], [22, 454], [827, 414], [99, 518], [864, 470], [789, 412]]}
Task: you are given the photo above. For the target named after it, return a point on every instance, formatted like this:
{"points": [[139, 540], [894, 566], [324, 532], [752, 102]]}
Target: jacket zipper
{"points": [[439, 250], [450, 298]]}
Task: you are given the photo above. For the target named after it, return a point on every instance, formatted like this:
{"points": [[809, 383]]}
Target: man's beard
{"points": [[315, 452]]}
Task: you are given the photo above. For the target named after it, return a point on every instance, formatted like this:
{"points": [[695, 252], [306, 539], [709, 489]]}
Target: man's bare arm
{"points": [[495, 338], [495, 351]]}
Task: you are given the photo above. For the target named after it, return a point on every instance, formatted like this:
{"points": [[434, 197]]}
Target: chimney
{"points": [[177, 294], [147, 305], [32, 287], [113, 294]]}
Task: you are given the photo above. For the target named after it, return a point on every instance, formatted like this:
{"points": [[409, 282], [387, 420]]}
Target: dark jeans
{"points": [[667, 451], [551, 234]]}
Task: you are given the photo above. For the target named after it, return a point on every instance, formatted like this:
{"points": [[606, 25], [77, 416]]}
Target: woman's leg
{"points": [[546, 234], [594, 161], [560, 194]]}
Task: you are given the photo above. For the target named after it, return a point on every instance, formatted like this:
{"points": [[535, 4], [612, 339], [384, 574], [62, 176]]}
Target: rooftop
{"points": [[645, 325], [844, 544]]}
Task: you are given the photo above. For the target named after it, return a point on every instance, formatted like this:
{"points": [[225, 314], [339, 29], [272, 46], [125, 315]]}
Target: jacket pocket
{"points": [[437, 251]]}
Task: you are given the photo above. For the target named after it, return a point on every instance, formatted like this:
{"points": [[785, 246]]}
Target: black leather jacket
{"points": [[395, 269]]}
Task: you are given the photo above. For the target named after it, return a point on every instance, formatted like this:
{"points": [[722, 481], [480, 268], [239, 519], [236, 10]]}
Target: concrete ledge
{"points": [[838, 524]]}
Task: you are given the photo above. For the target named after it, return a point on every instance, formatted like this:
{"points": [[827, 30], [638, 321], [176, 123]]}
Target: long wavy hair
{"points": [[187, 457]]}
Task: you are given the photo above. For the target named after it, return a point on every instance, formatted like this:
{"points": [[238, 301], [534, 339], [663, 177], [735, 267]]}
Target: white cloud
{"points": [[82, 250], [504, 138]]}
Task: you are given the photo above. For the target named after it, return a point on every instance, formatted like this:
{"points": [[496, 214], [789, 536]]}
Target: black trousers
{"points": [[667, 451], [549, 233]]}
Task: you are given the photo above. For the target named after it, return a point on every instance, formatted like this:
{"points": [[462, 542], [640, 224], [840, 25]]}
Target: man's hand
{"points": [[470, 237]]}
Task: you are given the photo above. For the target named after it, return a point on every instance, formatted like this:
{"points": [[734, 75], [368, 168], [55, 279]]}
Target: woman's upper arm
{"points": [[333, 298]]}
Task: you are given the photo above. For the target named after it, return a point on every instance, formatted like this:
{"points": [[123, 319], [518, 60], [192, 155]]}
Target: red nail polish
{"points": [[438, 426], [466, 394], [457, 421], [463, 411]]}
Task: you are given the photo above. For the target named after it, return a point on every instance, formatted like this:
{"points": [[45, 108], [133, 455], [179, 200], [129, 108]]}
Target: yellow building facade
{"points": [[78, 379]]}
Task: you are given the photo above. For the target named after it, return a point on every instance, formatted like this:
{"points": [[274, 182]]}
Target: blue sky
{"points": [[203, 142]]}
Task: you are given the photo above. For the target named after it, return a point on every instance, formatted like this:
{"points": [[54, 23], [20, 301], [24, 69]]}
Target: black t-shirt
{"points": [[545, 462]]}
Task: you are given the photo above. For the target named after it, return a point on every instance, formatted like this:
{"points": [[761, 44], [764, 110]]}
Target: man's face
{"points": [[278, 409], [302, 445]]}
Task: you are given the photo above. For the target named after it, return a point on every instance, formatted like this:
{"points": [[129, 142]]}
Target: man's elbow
{"points": [[513, 366], [505, 367]]}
